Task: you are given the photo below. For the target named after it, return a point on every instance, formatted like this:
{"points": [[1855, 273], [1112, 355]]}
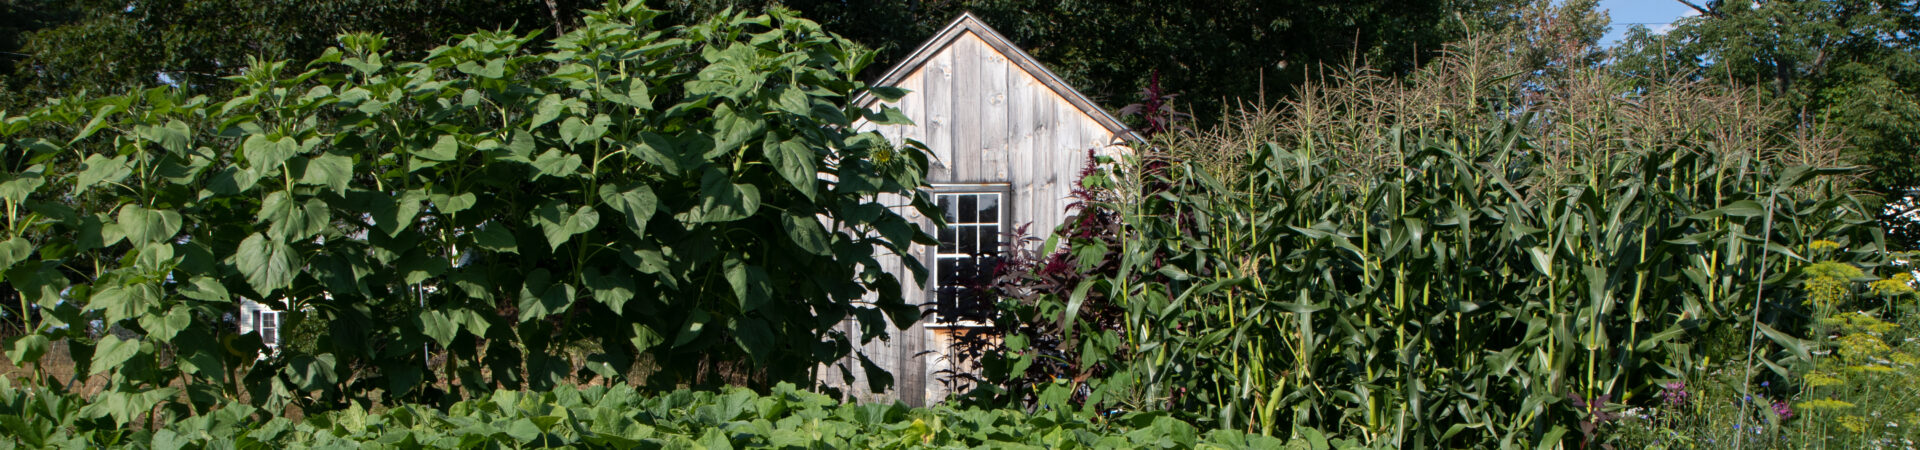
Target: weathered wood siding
{"points": [[987, 120]]}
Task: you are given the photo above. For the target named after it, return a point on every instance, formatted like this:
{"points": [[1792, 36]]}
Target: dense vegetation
{"points": [[1512, 246], [620, 417], [1849, 65], [1465, 256], [614, 208], [59, 48]]}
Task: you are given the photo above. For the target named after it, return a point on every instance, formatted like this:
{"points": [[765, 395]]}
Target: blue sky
{"points": [[1655, 14]]}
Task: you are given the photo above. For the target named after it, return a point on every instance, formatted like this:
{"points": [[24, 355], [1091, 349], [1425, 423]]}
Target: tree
{"points": [[1853, 65], [1212, 52], [58, 48]]}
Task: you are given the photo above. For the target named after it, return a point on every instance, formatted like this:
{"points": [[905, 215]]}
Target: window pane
{"points": [[989, 207], [970, 307], [969, 213], [948, 272], [944, 300], [990, 240], [949, 309], [969, 240], [947, 208], [974, 303], [948, 237], [967, 276]]}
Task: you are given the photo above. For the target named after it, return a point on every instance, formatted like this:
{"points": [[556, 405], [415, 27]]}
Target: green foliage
{"points": [[1264, 50], [1465, 257], [620, 207], [620, 417], [63, 48], [1851, 65], [1861, 388], [52, 49]]}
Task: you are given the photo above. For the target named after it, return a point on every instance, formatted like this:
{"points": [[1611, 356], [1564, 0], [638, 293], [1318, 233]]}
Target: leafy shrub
{"points": [[627, 196], [1027, 285], [620, 417]]}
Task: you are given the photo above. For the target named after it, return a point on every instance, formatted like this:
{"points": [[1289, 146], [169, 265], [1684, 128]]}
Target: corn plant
{"points": [[1475, 267]]}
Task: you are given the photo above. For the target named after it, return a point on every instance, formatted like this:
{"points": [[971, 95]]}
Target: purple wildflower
{"points": [[1781, 409], [1674, 393]]}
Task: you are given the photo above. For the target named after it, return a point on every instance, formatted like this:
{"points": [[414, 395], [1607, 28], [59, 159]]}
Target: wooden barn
{"points": [[1009, 138]]}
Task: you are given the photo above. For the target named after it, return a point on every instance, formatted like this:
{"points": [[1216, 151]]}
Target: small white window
{"points": [[969, 249], [267, 323]]}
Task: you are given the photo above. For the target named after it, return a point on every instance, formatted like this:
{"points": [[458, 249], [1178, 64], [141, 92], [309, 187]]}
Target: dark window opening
{"points": [[969, 250]]}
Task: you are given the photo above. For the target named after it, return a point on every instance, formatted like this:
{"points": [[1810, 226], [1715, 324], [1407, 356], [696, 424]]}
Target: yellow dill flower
{"points": [[1824, 244], [1826, 282], [1834, 269], [1860, 346], [1823, 403], [1823, 291], [1876, 326], [1870, 368], [1818, 379], [1904, 359], [1856, 322], [1898, 284], [1853, 423]]}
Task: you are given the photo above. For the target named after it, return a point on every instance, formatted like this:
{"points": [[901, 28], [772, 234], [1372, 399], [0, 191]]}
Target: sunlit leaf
{"points": [[722, 200], [635, 203], [100, 169], [332, 171], [268, 264], [446, 148], [560, 221], [266, 155], [110, 352], [558, 164]]}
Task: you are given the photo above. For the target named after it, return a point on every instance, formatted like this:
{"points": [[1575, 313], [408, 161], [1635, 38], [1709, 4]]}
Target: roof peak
{"points": [[967, 23]]}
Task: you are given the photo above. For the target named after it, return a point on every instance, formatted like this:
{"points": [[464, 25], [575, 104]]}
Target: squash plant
{"points": [[622, 417], [659, 205]]}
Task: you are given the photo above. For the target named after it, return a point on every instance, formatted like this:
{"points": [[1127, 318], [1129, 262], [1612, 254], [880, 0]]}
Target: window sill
{"points": [[960, 324]]}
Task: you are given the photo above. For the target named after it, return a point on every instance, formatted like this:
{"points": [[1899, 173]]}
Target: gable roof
{"points": [[968, 23]]}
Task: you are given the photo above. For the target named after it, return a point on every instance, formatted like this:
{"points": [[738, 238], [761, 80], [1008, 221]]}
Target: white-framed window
{"points": [[267, 323], [970, 247]]}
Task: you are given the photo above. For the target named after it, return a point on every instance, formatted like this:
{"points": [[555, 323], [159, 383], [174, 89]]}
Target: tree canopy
{"points": [[1853, 65], [1210, 51], [54, 48]]}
